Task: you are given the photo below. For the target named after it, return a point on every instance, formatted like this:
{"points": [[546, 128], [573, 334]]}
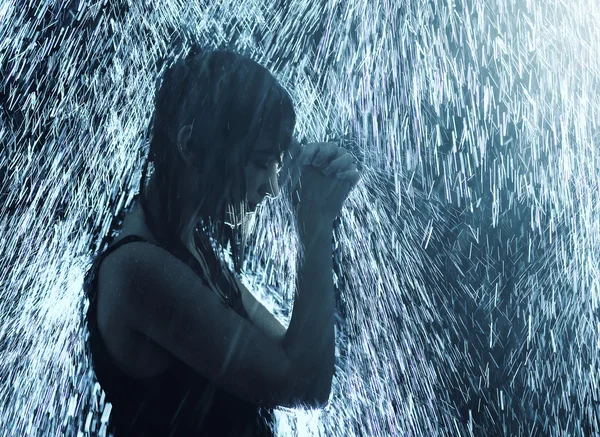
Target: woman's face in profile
{"points": [[261, 176]]}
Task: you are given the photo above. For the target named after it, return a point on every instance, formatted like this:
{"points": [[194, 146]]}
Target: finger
{"points": [[341, 163], [350, 169], [309, 152], [325, 154], [352, 175]]}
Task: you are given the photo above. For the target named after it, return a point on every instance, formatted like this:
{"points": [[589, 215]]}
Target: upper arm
{"points": [[162, 297]]}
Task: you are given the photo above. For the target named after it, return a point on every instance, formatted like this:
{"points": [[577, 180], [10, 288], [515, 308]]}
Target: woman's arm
{"points": [[313, 316], [157, 295], [310, 338], [260, 317]]}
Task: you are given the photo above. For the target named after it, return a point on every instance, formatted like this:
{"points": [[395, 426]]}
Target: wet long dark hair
{"points": [[230, 101]]}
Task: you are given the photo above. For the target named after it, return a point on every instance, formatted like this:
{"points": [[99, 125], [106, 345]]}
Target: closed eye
{"points": [[265, 161]]}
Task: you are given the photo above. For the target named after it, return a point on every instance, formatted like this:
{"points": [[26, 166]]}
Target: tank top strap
{"points": [[123, 241]]}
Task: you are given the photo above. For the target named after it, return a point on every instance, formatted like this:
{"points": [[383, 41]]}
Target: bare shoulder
{"points": [[134, 353], [144, 260]]}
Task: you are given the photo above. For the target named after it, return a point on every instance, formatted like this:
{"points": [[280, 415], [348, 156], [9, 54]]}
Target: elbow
{"points": [[310, 387], [319, 401], [321, 392], [307, 392]]}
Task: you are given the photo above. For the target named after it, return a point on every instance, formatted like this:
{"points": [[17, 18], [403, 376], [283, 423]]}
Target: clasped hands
{"points": [[320, 175]]}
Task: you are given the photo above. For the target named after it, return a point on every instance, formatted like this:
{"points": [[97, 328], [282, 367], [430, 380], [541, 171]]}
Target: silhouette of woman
{"points": [[178, 344]]}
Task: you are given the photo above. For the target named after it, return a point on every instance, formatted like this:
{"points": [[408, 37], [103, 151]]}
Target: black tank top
{"points": [[178, 402]]}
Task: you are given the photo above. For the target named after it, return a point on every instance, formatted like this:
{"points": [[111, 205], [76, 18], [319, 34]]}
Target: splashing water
{"points": [[466, 258]]}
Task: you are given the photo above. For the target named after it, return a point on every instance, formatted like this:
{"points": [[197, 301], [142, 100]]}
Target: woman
{"points": [[179, 345]]}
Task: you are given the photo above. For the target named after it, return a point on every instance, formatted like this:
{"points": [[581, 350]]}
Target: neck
{"points": [[184, 210], [153, 205]]}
